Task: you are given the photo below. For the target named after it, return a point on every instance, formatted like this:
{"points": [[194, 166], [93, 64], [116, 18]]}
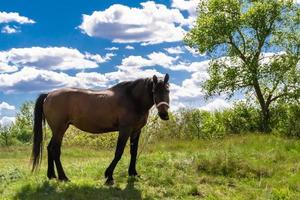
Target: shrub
{"points": [[183, 124], [286, 120]]}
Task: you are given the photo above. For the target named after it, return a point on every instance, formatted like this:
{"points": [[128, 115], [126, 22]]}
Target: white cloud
{"points": [[190, 89], [129, 47], [4, 68], [9, 29], [98, 58], [30, 79], [92, 79], [34, 80], [216, 104], [153, 59], [112, 48], [194, 51], [7, 17], [151, 24], [130, 74], [191, 67], [6, 106], [163, 60], [190, 6], [175, 50], [7, 121], [54, 58]]}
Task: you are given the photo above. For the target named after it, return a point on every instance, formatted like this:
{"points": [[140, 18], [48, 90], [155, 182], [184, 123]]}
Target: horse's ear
{"points": [[166, 78], [155, 79]]}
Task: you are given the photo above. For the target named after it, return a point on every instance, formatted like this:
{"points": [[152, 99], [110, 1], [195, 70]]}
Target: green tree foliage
{"points": [[237, 34], [22, 129], [5, 136]]}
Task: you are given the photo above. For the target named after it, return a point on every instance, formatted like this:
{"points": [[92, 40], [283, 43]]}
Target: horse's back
{"points": [[88, 110]]}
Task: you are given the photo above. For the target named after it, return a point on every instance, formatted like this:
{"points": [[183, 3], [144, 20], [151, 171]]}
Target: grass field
{"points": [[238, 167]]}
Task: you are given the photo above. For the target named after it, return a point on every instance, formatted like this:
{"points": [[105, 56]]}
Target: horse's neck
{"points": [[143, 93]]}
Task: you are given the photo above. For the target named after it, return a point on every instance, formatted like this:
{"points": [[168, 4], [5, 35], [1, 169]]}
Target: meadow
{"points": [[249, 166]]}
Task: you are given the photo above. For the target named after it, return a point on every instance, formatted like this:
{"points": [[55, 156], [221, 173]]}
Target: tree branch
{"points": [[243, 38], [279, 96], [271, 92], [242, 56]]}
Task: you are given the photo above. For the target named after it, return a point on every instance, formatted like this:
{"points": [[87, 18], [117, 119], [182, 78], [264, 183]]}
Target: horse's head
{"points": [[161, 96]]}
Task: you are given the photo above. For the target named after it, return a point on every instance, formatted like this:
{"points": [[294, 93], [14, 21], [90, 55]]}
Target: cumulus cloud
{"points": [[191, 66], [6, 106], [175, 50], [187, 5], [9, 29], [7, 121], [151, 24], [190, 89], [54, 58], [130, 74], [92, 79], [4, 68], [163, 60], [216, 105], [129, 47], [35, 80], [8, 17], [153, 59], [30, 79], [13, 17], [189, 92], [112, 48], [193, 51]]}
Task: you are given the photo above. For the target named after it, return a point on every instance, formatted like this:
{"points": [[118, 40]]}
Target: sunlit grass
{"points": [[238, 167]]}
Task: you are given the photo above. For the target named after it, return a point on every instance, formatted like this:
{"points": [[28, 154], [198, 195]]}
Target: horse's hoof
{"points": [[51, 177], [109, 182]]}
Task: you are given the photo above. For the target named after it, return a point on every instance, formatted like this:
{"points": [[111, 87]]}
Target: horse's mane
{"points": [[132, 84]]}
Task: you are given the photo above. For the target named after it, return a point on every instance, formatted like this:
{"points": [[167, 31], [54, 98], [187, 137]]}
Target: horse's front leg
{"points": [[134, 141], [122, 139]]}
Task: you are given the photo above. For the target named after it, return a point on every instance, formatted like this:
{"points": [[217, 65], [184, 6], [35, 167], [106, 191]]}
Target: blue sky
{"points": [[45, 45]]}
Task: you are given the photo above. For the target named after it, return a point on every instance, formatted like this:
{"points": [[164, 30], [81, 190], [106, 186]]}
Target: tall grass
{"points": [[249, 166]]}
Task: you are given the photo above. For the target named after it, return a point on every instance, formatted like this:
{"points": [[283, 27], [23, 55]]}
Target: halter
{"points": [[160, 103]]}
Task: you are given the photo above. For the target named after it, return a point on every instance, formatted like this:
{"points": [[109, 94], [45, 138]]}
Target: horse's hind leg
{"points": [[50, 172], [56, 142]]}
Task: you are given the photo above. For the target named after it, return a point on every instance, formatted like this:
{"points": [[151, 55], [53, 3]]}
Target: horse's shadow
{"points": [[48, 191]]}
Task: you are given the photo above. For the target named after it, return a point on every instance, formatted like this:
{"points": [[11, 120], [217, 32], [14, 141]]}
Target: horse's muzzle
{"points": [[163, 115]]}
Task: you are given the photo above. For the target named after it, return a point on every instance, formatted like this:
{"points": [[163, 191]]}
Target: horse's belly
{"points": [[95, 125], [97, 130]]}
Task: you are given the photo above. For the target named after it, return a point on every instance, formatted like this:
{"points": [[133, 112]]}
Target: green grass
{"points": [[238, 167]]}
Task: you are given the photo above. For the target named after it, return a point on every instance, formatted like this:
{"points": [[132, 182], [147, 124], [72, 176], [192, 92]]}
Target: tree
{"points": [[254, 46], [5, 135], [22, 128]]}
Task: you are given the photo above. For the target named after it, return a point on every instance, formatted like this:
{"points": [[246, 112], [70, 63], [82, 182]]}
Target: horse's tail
{"points": [[39, 118]]}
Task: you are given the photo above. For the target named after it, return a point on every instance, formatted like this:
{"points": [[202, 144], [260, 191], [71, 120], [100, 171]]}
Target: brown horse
{"points": [[123, 107]]}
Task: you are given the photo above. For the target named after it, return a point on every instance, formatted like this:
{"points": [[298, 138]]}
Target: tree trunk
{"points": [[266, 120], [264, 108]]}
